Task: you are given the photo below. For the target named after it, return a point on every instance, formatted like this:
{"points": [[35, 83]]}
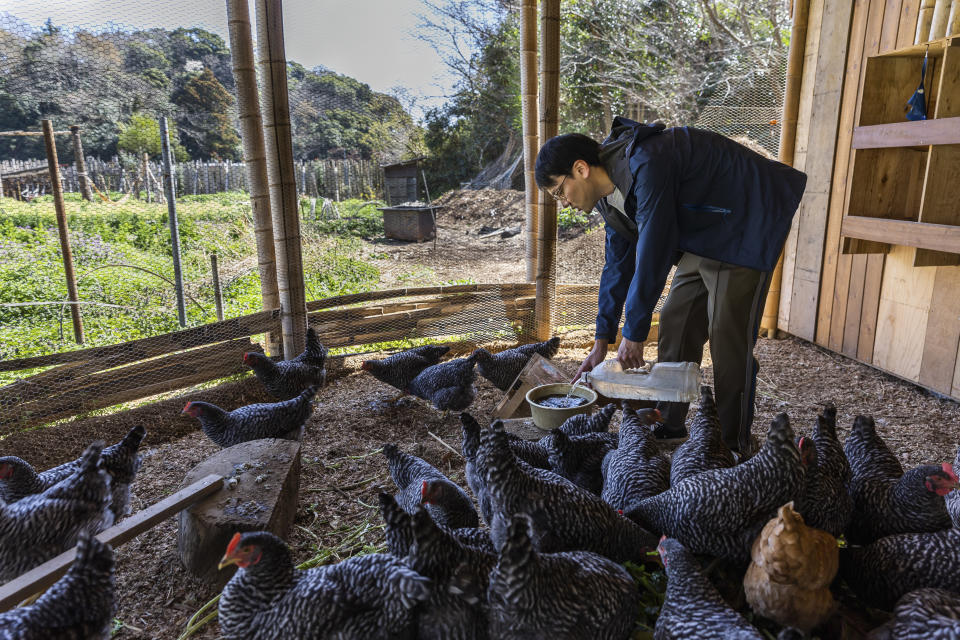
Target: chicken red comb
{"points": [[800, 442], [948, 468], [234, 541], [365, 365], [659, 415], [187, 406], [423, 492]]}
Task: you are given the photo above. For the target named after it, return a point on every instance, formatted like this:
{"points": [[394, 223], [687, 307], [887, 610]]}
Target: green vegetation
{"points": [[569, 218], [123, 263]]}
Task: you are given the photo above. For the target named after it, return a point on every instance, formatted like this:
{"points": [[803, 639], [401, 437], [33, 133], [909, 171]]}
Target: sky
{"points": [[369, 40]]}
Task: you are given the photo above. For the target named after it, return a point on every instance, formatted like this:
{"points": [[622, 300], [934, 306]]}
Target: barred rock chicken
{"points": [[120, 461], [476, 478], [397, 526], [254, 421], [721, 511], [867, 452], [826, 502], [79, 605], [459, 575], [561, 596], [912, 503], [286, 379], [882, 572], [579, 459], [565, 517], [953, 498], [927, 614], [692, 607], [44, 525], [705, 449], [503, 368], [636, 469], [583, 423], [448, 386], [421, 483], [400, 369], [789, 577], [369, 597]]}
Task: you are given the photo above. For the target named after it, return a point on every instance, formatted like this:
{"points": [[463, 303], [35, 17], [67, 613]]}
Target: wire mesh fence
{"points": [[114, 75]]}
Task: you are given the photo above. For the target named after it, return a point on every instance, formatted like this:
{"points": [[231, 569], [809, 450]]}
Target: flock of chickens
{"points": [[536, 548]]}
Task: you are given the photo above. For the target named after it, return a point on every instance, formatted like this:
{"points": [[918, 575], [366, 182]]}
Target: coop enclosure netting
{"points": [[114, 73]]}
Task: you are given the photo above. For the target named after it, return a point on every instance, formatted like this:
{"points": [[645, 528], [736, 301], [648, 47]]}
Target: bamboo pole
{"points": [[528, 101], [81, 164], [788, 140], [547, 214], [254, 155], [938, 21], [924, 21], [172, 213], [281, 175], [54, 167]]}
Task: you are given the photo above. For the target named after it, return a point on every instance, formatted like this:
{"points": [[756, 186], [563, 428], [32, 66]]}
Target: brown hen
{"points": [[792, 567]]}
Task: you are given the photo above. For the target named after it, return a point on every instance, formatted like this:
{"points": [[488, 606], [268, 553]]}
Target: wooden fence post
{"points": [[79, 161], [528, 99], [54, 168]]}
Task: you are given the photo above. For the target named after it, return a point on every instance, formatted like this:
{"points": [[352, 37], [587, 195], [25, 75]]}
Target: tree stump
{"points": [[261, 482]]}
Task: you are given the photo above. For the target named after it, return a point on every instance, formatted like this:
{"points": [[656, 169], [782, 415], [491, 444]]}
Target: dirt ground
{"points": [[460, 250], [343, 470]]}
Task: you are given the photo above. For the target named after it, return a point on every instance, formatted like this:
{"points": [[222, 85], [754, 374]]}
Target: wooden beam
{"points": [[126, 352], [925, 235], [943, 332], [918, 133], [849, 109], [824, 123], [531, 142], [40, 578]]}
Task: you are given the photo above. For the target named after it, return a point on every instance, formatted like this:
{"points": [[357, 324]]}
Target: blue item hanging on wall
{"points": [[917, 104]]}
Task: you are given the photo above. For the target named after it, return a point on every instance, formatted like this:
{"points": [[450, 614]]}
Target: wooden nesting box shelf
{"points": [[905, 174], [410, 223]]}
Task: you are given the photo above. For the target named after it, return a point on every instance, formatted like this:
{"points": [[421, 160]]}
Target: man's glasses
{"points": [[558, 192]]}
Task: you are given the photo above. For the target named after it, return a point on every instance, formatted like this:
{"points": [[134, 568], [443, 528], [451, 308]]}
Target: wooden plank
{"points": [[948, 96], [908, 23], [125, 352], [956, 379], [873, 279], [908, 134], [871, 46], [943, 332], [902, 316], [939, 237], [840, 295], [891, 25], [802, 140], [406, 292], [40, 578], [18, 395], [824, 122], [887, 183], [849, 109], [851, 324]]}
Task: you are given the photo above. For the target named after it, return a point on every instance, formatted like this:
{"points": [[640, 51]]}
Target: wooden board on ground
{"points": [[538, 371], [524, 427]]}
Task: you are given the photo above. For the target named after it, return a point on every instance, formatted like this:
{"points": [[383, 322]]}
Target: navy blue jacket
{"points": [[685, 190]]}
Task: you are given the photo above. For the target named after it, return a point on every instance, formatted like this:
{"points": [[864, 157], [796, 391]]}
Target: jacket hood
{"points": [[625, 129]]}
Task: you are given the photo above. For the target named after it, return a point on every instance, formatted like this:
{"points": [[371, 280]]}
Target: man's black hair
{"points": [[558, 154]]}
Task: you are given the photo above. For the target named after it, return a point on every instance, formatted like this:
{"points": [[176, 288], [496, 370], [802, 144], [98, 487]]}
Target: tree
{"points": [[142, 135], [205, 118]]}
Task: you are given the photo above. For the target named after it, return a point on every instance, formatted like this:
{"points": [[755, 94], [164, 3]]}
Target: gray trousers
{"points": [[723, 303]]}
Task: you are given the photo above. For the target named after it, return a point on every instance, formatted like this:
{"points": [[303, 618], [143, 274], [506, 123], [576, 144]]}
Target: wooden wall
{"points": [[875, 306]]}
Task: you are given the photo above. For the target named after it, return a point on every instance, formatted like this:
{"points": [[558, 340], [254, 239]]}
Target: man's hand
{"points": [[597, 355], [630, 354]]}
